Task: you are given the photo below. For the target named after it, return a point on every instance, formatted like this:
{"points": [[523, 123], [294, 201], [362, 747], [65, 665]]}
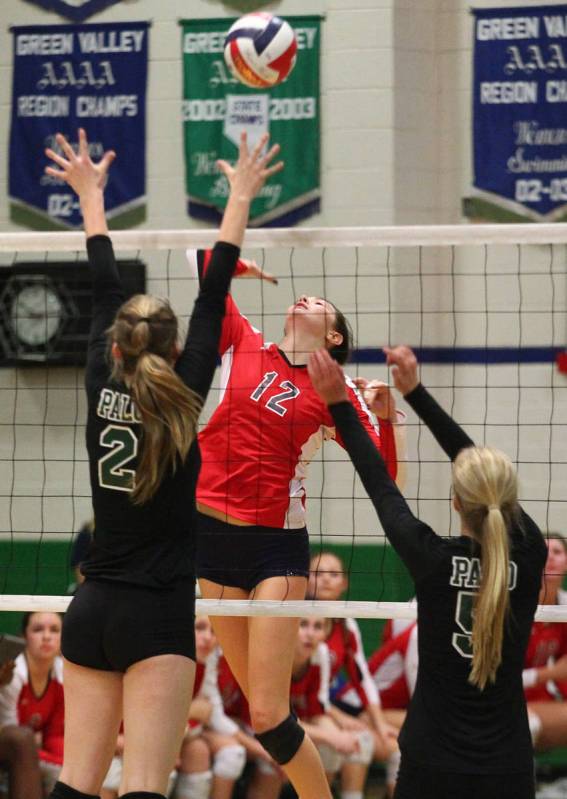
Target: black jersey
{"points": [[451, 725], [150, 544]]}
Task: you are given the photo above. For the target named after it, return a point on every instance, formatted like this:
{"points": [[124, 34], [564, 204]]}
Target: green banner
{"points": [[216, 108]]}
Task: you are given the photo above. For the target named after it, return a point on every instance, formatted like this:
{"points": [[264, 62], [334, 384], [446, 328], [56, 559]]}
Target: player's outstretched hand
{"points": [[378, 397], [327, 377], [252, 169], [76, 168], [403, 363], [253, 270]]}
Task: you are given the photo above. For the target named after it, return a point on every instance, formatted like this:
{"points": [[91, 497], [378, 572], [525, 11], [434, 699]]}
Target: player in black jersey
{"points": [[466, 734], [128, 636]]}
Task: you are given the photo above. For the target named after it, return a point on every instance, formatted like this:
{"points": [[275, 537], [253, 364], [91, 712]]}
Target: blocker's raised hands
{"points": [[252, 169], [77, 168], [403, 363]]}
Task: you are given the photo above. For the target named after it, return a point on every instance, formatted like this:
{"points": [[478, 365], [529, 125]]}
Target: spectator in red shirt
{"points": [[34, 696], [545, 673]]}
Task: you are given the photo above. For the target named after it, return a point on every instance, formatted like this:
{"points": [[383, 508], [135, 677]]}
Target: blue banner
{"points": [[520, 113], [66, 77], [75, 10]]}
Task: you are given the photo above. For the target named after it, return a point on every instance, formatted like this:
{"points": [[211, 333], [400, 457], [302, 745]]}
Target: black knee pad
{"points": [[62, 791], [283, 741]]}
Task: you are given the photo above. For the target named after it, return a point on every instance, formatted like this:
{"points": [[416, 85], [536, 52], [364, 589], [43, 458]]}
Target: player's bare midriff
{"points": [[206, 510]]}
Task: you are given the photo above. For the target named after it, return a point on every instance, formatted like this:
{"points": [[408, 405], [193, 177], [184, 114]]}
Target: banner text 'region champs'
{"points": [[216, 108], [89, 76], [520, 114]]}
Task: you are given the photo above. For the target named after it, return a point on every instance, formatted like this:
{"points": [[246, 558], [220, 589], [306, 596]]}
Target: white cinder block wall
{"points": [[395, 150]]}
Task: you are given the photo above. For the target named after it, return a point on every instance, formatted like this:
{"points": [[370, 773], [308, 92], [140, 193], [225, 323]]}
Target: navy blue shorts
{"points": [[112, 625], [418, 782], [242, 557]]}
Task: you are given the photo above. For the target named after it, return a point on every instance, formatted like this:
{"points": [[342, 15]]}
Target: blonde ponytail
{"points": [[485, 483], [145, 331]]}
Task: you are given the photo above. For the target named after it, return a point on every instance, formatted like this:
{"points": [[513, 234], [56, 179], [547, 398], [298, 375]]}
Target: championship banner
{"points": [[75, 10], [216, 108], [520, 114], [67, 77]]}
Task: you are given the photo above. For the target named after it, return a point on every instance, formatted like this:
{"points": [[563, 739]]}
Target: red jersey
{"points": [[234, 702], [345, 646], [309, 695], [548, 642], [269, 424], [394, 670], [394, 627], [45, 714], [199, 674], [207, 686]]}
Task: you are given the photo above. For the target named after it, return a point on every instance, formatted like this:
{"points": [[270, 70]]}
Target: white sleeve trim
{"points": [[322, 658], [367, 682], [219, 721], [9, 694], [191, 256]]}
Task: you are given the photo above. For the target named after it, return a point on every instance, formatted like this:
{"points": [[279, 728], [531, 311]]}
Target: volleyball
{"points": [[260, 50]]}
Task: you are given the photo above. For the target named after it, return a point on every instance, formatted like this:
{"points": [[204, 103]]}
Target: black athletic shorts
{"points": [[111, 625], [418, 782], [242, 557]]}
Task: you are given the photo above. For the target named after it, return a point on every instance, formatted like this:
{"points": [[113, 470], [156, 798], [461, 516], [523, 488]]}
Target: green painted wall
{"points": [[41, 567]]}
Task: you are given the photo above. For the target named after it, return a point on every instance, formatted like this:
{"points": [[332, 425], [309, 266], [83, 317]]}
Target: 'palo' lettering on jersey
{"points": [[467, 573], [117, 407]]}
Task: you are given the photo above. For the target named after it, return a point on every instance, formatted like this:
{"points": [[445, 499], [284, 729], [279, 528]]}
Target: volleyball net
{"points": [[484, 307]]}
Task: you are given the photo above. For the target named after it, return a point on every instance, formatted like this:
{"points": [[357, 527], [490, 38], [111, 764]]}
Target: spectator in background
{"points": [[34, 696], [394, 670], [328, 581], [310, 702], [18, 751], [545, 673], [212, 758]]}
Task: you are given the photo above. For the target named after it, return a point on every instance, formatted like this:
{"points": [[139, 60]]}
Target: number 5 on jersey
{"points": [[112, 467], [464, 617]]}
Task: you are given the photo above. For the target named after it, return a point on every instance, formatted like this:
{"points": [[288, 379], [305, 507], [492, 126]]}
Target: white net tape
{"points": [[265, 607]]}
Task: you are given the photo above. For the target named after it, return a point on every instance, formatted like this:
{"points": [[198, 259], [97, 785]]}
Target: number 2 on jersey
{"points": [[464, 617], [112, 471], [274, 403]]}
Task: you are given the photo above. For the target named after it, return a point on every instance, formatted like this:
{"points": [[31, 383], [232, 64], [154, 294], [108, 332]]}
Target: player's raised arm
{"points": [[88, 179], [85, 177], [449, 435], [197, 362]]}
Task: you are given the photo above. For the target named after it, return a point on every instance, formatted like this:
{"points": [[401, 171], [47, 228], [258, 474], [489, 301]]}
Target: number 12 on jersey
{"points": [[274, 404]]}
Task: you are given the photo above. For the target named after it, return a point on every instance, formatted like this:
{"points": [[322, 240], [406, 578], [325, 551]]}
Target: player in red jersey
{"points": [[328, 581], [545, 675], [211, 758], [394, 671], [34, 696], [310, 701], [252, 540]]}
